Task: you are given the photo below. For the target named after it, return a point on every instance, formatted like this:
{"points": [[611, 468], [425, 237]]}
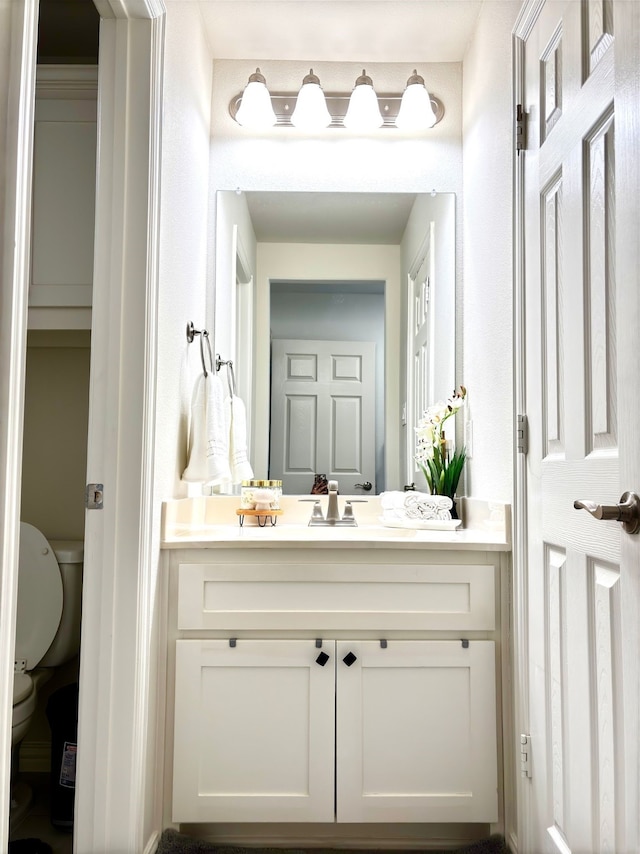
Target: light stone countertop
{"points": [[212, 523]]}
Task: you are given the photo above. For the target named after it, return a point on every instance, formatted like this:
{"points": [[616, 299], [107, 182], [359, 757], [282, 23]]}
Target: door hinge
{"points": [[521, 129], [522, 435], [94, 496], [525, 755]]}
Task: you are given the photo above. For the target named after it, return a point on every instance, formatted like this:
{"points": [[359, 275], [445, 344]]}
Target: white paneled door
{"points": [[581, 282], [322, 413]]}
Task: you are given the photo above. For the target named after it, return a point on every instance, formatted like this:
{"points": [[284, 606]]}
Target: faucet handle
{"points": [[348, 510]]}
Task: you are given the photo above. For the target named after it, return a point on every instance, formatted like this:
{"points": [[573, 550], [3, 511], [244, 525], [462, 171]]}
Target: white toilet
{"points": [[48, 617]]}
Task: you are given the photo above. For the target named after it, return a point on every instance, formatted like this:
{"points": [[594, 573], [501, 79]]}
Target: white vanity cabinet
{"points": [[320, 685], [63, 207]]}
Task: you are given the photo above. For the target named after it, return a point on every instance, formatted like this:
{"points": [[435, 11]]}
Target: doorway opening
{"points": [[336, 311]]}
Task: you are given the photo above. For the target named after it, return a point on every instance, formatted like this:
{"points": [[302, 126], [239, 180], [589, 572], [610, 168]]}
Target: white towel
{"points": [[196, 470], [238, 459], [208, 454], [415, 505]]}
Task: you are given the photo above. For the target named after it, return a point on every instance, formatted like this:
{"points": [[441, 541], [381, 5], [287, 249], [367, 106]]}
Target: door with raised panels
{"points": [[323, 414], [581, 232]]}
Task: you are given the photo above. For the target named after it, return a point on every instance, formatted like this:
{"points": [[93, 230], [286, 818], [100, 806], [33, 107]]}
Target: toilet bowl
{"points": [[47, 618]]}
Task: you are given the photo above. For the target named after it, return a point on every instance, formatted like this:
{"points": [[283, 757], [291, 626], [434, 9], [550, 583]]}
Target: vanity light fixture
{"points": [[255, 109], [361, 110], [311, 111], [416, 112]]}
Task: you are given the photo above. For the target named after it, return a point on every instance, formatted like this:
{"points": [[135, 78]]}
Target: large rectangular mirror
{"points": [[343, 309]]}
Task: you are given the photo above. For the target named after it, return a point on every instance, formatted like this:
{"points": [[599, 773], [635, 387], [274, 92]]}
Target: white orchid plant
{"points": [[441, 470]]}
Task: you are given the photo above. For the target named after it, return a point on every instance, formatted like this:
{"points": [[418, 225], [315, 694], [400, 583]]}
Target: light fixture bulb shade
{"points": [[416, 110], [363, 112], [311, 111], [256, 110]]}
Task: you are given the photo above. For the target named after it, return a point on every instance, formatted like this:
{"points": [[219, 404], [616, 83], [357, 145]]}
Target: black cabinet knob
{"points": [[349, 659], [322, 659]]}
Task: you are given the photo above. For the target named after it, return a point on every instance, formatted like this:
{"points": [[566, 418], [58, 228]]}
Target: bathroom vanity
{"points": [[339, 676]]}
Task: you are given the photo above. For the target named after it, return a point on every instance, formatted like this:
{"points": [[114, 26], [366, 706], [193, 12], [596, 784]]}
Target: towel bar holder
{"points": [[219, 362]]}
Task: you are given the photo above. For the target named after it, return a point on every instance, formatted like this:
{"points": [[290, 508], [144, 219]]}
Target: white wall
{"points": [[185, 275], [184, 279], [56, 411], [478, 171], [487, 292]]}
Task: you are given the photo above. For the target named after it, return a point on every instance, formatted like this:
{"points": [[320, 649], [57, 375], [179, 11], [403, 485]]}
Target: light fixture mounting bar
{"points": [[284, 103]]}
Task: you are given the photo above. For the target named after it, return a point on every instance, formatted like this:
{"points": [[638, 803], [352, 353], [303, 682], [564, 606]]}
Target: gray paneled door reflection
{"points": [[322, 413]]}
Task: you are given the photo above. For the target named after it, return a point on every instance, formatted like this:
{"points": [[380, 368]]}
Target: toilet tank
{"points": [[66, 643]]}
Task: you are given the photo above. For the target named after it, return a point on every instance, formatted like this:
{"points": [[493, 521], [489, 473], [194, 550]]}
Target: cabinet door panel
{"points": [[63, 202], [254, 731], [416, 732]]}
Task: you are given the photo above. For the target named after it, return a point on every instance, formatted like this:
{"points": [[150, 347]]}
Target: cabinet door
{"points": [[416, 732], [64, 179], [254, 731]]}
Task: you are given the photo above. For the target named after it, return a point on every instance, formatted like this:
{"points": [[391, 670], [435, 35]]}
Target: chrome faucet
{"points": [[333, 512]]}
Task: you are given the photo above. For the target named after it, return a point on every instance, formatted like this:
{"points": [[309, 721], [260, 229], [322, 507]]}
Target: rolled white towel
{"points": [[418, 505], [392, 504], [415, 505]]}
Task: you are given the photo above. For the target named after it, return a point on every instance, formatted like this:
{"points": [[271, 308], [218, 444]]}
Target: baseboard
{"points": [[152, 843], [35, 757], [354, 837]]}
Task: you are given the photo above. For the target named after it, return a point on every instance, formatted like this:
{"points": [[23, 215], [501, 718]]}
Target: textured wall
{"points": [[339, 161], [184, 239], [54, 461], [486, 320]]}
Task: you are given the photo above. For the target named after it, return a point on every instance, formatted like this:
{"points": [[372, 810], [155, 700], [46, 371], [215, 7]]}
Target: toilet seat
{"points": [[39, 599], [22, 687], [24, 698]]}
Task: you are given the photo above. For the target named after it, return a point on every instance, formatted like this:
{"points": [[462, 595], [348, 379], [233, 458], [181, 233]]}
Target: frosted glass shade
{"points": [[311, 111], [256, 110], [363, 112], [416, 111]]}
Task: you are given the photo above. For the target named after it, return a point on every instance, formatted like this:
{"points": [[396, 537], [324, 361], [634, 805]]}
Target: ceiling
{"points": [[365, 218], [339, 30]]}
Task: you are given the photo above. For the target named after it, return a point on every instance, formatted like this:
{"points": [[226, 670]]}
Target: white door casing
{"points": [[323, 413], [117, 711], [420, 381], [18, 39], [577, 585], [430, 306]]}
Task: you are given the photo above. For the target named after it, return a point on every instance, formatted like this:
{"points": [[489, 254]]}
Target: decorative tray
{"points": [[263, 517], [423, 524]]}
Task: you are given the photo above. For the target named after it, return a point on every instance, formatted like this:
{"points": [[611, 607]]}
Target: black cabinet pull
{"points": [[322, 659], [349, 659]]}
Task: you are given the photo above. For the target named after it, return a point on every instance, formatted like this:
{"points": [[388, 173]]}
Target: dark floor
{"points": [[37, 823]]}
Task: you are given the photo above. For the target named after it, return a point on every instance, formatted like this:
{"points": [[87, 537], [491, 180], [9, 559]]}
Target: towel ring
{"points": [[231, 378], [205, 335]]}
